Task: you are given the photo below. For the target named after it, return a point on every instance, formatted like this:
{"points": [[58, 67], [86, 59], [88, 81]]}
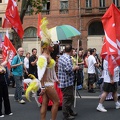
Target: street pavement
{"points": [[85, 107]]}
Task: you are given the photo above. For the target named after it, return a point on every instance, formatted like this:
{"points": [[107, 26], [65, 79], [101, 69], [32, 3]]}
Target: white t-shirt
{"points": [[91, 64], [26, 62], [106, 74]]}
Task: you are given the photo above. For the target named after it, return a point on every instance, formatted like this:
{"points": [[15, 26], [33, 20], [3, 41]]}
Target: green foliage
{"points": [[35, 5]]}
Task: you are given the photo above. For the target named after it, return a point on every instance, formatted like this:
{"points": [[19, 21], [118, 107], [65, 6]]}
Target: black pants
{"points": [[4, 95], [68, 101]]}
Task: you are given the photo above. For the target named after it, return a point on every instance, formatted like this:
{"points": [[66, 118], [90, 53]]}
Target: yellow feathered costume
{"points": [[33, 86], [42, 61]]}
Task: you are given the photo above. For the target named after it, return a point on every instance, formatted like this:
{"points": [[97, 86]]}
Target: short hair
{"points": [[19, 49], [34, 49], [94, 48], [91, 51], [68, 48]]}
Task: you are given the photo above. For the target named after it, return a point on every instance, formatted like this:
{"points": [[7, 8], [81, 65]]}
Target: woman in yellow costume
{"points": [[47, 75]]}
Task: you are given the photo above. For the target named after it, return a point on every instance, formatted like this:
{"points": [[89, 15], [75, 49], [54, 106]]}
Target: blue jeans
{"points": [[18, 90]]}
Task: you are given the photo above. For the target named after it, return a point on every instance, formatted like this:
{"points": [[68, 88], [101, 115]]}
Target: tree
{"points": [[35, 7]]}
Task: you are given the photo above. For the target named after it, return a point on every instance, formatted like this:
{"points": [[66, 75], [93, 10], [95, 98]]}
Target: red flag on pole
{"points": [[12, 19], [39, 24], [111, 46], [8, 46]]}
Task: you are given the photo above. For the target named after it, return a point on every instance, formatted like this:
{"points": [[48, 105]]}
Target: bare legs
{"points": [[52, 95], [44, 106], [115, 97], [103, 97]]}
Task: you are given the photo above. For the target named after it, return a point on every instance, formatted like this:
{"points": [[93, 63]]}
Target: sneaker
{"points": [[73, 114], [10, 114], [69, 118], [101, 109], [1, 116], [118, 106], [21, 101], [91, 91]]}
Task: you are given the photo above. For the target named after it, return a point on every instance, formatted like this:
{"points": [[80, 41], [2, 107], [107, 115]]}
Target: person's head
{"points": [[68, 49], [95, 50], [49, 47], [88, 53], [74, 52], [80, 53], [81, 49], [34, 51], [27, 54], [92, 52], [20, 51]]}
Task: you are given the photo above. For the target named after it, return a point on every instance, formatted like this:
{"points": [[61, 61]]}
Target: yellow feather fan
{"points": [[33, 86]]}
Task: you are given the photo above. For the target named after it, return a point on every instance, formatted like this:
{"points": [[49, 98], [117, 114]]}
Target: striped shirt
{"points": [[65, 71]]}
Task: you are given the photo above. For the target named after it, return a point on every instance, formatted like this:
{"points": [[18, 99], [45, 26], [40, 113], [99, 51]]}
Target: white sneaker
{"points": [[11, 114], [1, 116], [21, 101], [118, 106], [101, 108]]}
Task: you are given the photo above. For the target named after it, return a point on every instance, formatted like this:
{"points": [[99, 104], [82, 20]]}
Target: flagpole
{"points": [[38, 33], [76, 78]]}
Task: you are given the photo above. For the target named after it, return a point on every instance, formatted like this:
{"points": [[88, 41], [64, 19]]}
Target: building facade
{"points": [[3, 4], [91, 12], [84, 15]]}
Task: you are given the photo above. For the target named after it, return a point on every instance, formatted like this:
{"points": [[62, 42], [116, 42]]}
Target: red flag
{"points": [[39, 24], [8, 47], [12, 19], [111, 46]]}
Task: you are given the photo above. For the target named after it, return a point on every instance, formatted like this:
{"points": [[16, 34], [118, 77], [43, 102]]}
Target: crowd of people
{"points": [[73, 71], [70, 70]]}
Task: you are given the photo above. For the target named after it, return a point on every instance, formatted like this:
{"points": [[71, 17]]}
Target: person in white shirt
{"points": [[91, 71], [110, 85], [26, 64]]}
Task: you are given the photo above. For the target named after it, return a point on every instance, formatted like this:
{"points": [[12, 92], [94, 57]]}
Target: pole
{"points": [[75, 81]]}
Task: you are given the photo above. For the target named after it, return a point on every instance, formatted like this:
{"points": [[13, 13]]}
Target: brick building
{"points": [[58, 12], [91, 12], [84, 15]]}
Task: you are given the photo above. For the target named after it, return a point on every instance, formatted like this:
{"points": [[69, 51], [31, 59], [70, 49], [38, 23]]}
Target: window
{"points": [[64, 6], [30, 32], [0, 22], [116, 2], [102, 3], [46, 8], [88, 4], [96, 28]]}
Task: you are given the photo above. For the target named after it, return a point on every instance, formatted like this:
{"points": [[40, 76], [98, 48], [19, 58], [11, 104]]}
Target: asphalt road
{"points": [[85, 106]]}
